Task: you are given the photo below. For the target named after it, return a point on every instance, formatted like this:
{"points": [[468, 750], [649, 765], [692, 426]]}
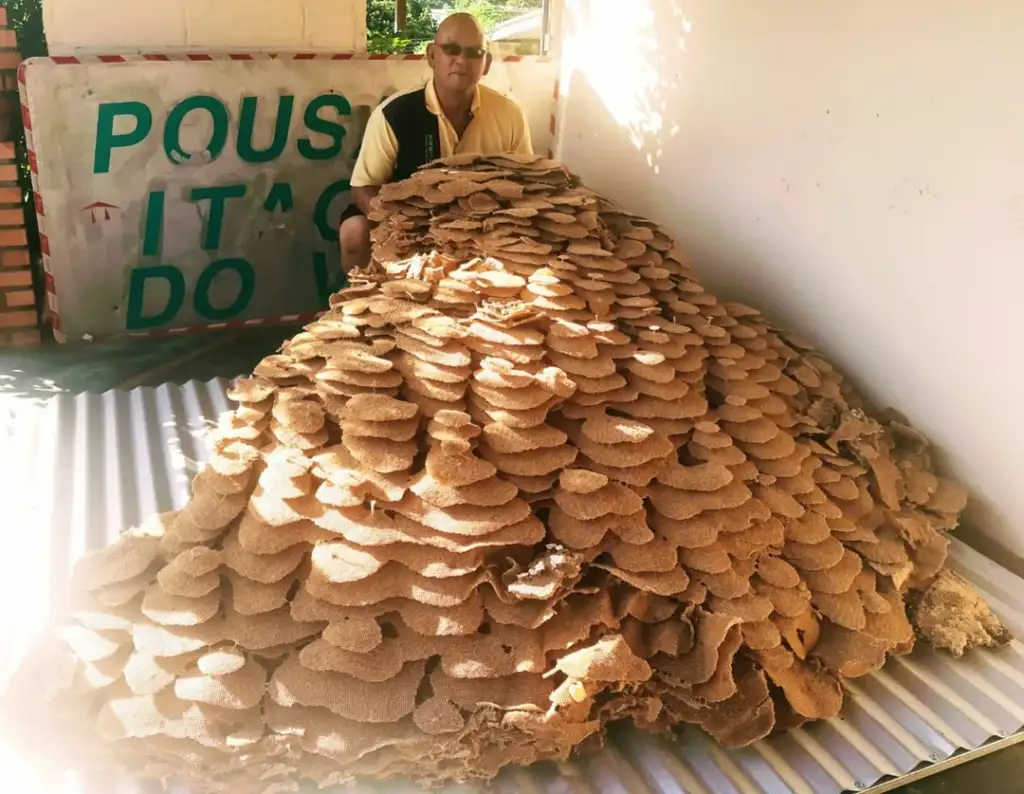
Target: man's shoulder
{"points": [[400, 97], [497, 102]]}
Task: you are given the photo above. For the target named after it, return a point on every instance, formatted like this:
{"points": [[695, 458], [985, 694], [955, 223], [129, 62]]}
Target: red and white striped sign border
{"points": [[262, 56], [52, 305]]}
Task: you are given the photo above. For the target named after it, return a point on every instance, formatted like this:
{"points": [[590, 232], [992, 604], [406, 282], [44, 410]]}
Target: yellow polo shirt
{"points": [[498, 126]]}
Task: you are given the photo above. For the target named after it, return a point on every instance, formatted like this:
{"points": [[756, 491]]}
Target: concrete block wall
{"points": [[83, 27], [19, 319]]}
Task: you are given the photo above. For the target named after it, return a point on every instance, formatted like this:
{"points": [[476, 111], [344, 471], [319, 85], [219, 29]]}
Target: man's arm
{"points": [[376, 161], [362, 196]]}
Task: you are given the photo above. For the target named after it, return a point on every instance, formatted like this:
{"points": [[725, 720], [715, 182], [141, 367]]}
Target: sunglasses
{"points": [[474, 52]]}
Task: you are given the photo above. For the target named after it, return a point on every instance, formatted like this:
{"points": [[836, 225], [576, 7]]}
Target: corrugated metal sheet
{"points": [[89, 465]]}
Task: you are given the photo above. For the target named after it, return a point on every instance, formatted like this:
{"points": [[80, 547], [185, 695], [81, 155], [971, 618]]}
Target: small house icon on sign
{"points": [[99, 211]]}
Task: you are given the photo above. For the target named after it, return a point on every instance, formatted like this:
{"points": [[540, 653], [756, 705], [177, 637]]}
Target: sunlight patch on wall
{"points": [[613, 46]]}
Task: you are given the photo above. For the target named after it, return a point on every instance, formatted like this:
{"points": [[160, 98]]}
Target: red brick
{"points": [[21, 339], [9, 238], [7, 152], [19, 299], [11, 217], [8, 172], [15, 278], [18, 319], [10, 60], [15, 257], [8, 38], [3, 17], [10, 195]]}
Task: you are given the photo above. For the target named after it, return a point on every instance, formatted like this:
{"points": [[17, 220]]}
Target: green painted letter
{"points": [[247, 277], [328, 231], [280, 196], [137, 293], [172, 131], [218, 196], [154, 224], [247, 130], [334, 129], [107, 140]]}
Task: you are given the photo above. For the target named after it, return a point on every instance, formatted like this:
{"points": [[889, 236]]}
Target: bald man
{"points": [[451, 114]]}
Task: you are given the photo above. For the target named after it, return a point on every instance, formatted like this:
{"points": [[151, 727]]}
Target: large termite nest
{"points": [[526, 477]]}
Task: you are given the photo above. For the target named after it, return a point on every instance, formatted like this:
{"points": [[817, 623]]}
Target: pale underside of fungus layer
{"points": [[524, 479]]}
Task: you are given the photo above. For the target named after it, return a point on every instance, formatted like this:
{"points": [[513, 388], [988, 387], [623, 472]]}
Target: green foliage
{"points": [[380, 26], [420, 20], [494, 12], [26, 17]]}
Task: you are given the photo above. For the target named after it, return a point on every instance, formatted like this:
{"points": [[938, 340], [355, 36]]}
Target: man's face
{"points": [[459, 58]]}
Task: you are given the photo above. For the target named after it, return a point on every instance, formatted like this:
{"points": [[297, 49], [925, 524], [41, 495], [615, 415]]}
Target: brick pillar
{"points": [[19, 318]]}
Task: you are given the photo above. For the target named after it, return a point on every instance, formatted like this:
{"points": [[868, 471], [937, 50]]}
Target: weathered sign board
{"points": [[176, 194]]}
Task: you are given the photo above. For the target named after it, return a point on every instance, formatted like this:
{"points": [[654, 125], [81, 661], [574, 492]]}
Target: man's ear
{"points": [[430, 55], [488, 60]]}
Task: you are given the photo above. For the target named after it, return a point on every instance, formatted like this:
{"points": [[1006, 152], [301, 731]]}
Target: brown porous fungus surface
{"points": [[525, 478]]}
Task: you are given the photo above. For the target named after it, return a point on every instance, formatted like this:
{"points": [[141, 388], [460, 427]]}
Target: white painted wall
{"points": [[82, 27], [854, 168]]}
